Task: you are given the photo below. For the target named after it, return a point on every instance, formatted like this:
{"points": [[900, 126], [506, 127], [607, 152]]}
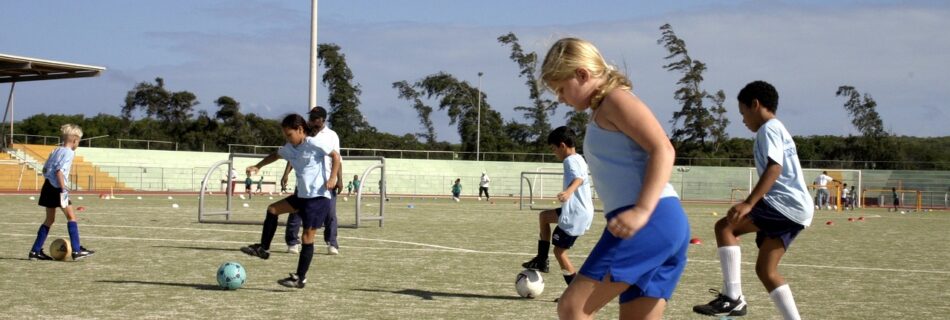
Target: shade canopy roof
{"points": [[20, 69]]}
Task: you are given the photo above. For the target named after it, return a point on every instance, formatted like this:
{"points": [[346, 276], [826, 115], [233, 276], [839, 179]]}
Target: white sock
{"points": [[729, 259], [782, 297]]}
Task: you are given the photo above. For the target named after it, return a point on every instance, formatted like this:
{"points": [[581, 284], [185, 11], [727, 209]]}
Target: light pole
{"points": [[312, 102], [478, 125]]}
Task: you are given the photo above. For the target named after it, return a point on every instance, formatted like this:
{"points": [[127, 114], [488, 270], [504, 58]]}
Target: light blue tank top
{"points": [[618, 165]]}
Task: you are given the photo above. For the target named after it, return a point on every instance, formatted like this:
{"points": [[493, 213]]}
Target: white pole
{"points": [[313, 56], [10, 111], [478, 134]]}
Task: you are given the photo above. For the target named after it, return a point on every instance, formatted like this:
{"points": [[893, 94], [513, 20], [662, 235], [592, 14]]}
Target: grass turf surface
{"points": [[437, 260]]}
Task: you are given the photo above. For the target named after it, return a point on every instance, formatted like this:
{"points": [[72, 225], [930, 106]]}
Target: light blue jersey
{"points": [[308, 160], [578, 212], [61, 159], [788, 195], [618, 165]]}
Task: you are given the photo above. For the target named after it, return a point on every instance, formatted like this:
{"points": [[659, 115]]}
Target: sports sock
{"points": [[782, 297], [729, 260], [303, 264], [543, 247], [73, 228], [568, 277], [40, 238], [270, 227]]}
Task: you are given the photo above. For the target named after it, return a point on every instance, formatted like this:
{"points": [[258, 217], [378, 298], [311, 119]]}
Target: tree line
{"points": [[151, 111]]}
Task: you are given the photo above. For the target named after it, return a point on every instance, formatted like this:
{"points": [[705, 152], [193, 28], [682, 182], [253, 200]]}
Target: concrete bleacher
{"points": [[83, 175]]}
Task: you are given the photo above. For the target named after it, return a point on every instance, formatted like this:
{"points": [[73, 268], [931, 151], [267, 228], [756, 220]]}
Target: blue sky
{"points": [[257, 52]]}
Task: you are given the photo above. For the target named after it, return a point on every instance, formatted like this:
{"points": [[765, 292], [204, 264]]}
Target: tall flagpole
{"points": [[313, 56]]}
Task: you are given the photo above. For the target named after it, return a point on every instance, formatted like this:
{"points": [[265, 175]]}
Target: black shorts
{"points": [[773, 224], [312, 211], [49, 196], [560, 238]]}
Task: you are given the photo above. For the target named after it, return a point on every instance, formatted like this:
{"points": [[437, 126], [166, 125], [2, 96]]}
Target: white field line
{"points": [[434, 248], [250, 231]]}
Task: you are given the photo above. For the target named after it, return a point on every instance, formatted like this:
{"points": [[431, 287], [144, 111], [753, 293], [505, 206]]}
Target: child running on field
{"points": [[574, 216], [312, 198], [55, 194], [642, 251], [457, 190], [777, 209]]}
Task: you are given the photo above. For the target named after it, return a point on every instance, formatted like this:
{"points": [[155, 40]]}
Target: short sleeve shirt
{"points": [[309, 162], [61, 159], [789, 195], [578, 212]]}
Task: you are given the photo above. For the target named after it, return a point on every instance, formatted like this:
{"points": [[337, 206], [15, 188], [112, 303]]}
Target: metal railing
{"points": [[148, 143], [34, 139]]}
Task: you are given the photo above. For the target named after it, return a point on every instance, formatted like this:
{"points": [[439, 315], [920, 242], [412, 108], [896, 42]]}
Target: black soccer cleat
{"points": [[293, 281], [537, 263], [722, 306], [82, 253], [256, 250], [39, 255]]}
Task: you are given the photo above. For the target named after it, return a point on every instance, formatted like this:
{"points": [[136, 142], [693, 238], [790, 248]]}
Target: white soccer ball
{"points": [[175, 205], [246, 205], [170, 198], [903, 212], [242, 197], [32, 198], [138, 198], [529, 284], [80, 198], [345, 199]]}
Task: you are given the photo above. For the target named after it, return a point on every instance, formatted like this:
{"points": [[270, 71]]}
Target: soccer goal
{"points": [[275, 172], [541, 185], [841, 177]]}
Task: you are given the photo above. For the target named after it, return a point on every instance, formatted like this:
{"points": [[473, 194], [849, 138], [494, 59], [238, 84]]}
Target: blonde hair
{"points": [[569, 54], [71, 130]]}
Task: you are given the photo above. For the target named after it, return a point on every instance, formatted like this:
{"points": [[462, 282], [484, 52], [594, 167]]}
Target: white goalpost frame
{"points": [[532, 185], [203, 213], [811, 173]]}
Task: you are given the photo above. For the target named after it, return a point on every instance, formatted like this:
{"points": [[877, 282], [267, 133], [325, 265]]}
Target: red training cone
{"points": [[695, 241], [829, 222], [861, 218], [850, 219]]}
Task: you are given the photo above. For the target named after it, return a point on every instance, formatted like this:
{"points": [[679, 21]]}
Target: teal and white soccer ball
{"points": [[231, 275], [529, 284]]}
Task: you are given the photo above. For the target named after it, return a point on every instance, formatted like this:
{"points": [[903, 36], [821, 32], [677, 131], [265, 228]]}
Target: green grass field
{"points": [[438, 260]]}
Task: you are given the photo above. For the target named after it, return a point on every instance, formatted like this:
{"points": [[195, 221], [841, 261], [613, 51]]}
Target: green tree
{"points": [[345, 116], [876, 143], [540, 108], [150, 98], [698, 122], [406, 91], [460, 100], [863, 112]]}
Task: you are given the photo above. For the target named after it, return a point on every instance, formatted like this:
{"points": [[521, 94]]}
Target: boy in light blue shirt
{"points": [[777, 209], [55, 194], [574, 216]]}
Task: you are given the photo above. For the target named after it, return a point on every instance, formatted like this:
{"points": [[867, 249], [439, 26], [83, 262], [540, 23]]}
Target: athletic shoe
{"points": [[722, 306], [293, 281], [256, 250], [539, 264], [82, 253], [39, 255], [293, 248], [331, 250]]}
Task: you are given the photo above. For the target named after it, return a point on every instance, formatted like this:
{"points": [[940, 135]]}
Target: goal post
{"points": [[206, 215]]}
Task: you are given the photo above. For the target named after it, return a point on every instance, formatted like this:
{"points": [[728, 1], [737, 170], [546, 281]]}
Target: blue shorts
{"points": [[312, 211], [651, 261], [773, 224]]}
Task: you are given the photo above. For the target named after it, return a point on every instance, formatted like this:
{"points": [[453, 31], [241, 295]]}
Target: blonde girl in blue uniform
{"points": [[642, 251]]}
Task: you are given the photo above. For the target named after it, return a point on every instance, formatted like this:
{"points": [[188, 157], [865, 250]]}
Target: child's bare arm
{"points": [[62, 180], [567, 193], [772, 172], [266, 161], [283, 179]]}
